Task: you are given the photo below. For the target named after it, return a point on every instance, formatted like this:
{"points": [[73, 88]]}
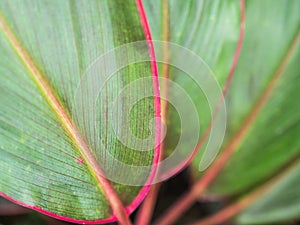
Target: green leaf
{"points": [[271, 141], [280, 204], [46, 48], [211, 30]]}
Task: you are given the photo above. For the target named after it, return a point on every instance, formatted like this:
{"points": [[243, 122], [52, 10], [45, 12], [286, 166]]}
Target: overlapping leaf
{"points": [[272, 140], [211, 30]]}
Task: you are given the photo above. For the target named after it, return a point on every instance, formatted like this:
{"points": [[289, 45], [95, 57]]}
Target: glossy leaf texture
{"points": [[211, 30], [271, 142], [41, 165]]}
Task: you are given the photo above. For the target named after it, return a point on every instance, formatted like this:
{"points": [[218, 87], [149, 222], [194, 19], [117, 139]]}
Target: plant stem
{"points": [[246, 201], [189, 198], [146, 211]]}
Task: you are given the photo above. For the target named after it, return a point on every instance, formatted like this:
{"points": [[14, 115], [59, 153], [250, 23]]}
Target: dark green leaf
{"points": [[41, 164]]}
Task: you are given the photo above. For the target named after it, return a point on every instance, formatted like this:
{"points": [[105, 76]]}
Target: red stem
{"points": [[146, 211]]}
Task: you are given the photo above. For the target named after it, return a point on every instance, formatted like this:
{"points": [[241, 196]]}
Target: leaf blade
{"points": [[265, 119], [64, 78]]}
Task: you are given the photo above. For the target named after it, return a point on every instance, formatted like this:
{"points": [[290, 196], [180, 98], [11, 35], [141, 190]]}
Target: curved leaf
{"points": [[271, 140], [280, 204], [49, 155], [211, 30]]}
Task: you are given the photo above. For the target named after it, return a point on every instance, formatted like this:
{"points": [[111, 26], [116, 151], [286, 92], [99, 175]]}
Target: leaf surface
{"points": [[41, 164], [271, 141], [280, 204], [211, 31]]}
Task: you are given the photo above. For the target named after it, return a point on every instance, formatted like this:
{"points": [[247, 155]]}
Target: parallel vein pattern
{"points": [[46, 47]]}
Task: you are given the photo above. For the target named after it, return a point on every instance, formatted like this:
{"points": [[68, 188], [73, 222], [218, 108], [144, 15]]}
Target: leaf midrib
{"points": [[63, 116], [165, 66]]}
